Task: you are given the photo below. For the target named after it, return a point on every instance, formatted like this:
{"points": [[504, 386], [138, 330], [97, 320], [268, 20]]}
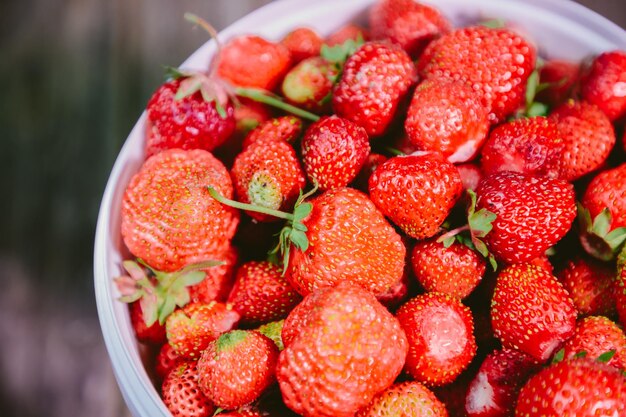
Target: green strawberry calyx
{"points": [[273, 330], [596, 236]]}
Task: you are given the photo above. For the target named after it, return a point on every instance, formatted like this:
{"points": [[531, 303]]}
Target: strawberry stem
{"points": [[249, 207], [265, 97]]}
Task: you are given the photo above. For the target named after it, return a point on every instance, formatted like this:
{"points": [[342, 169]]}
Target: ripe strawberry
{"points": [[315, 367], [532, 213], [405, 399], [543, 262], [573, 388], [309, 84], [375, 79], [531, 146], [605, 84], [455, 270], [166, 360], [560, 78], [261, 294], [590, 285], [333, 151], [168, 218], [236, 368], [349, 31], [372, 162], [416, 192], [588, 137], [251, 61], [596, 335], [218, 281], [267, 173], [181, 393], [302, 43], [153, 334], [285, 129], [494, 390], [192, 328], [495, 62], [398, 293], [531, 311], [470, 175]]}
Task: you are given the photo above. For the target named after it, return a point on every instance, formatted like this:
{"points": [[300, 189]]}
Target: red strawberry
{"points": [[372, 162], [447, 117], [166, 360], [181, 393], [251, 61], [348, 32], [588, 137], [267, 173], [543, 262], [531, 311], [590, 284], [285, 128], [560, 78], [153, 334], [321, 373], [192, 328], [398, 293], [619, 288], [248, 411], [375, 79], [218, 281], [494, 62], [180, 114], [261, 294], [407, 23], [302, 43], [605, 84], [333, 152], [595, 336], [168, 218], [574, 388], [309, 84], [494, 390], [532, 213], [455, 270], [470, 175], [404, 399], [416, 192], [440, 331], [237, 368], [532, 146]]}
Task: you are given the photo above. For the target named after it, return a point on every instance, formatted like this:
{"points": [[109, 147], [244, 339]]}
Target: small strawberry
{"points": [[333, 151], [605, 84], [302, 43], [181, 393], [309, 84], [559, 79], [375, 79], [347, 32], [372, 162], [166, 360], [261, 294], [531, 311], [440, 331], [285, 128], [153, 334], [236, 368], [416, 192], [595, 336], [588, 137], [218, 281], [398, 293], [590, 284], [470, 175], [404, 399]]}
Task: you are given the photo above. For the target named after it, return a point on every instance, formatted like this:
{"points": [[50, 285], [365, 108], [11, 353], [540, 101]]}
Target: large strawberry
{"points": [[596, 336], [181, 393], [531, 311], [590, 284], [416, 192], [349, 349], [604, 84], [405, 399], [375, 79]]}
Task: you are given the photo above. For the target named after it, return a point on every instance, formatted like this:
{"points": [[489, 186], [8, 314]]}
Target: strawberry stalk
{"points": [[270, 99]]}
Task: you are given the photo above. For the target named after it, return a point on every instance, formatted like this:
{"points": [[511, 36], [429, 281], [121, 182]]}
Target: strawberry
{"points": [[249, 114], [440, 331], [588, 137], [267, 173], [398, 293], [543, 262], [532, 213], [404, 399], [573, 388], [604, 84], [181, 393], [596, 335], [153, 334], [531, 311], [192, 328], [372, 162], [455, 270], [559, 78], [251, 61], [619, 288], [447, 117], [416, 192], [218, 281], [166, 360], [302, 43], [470, 175], [261, 294], [309, 84], [236, 368], [168, 218], [375, 79], [347, 32], [285, 128], [590, 284], [494, 62], [494, 390], [248, 411], [532, 146], [410, 24], [321, 373], [333, 151]]}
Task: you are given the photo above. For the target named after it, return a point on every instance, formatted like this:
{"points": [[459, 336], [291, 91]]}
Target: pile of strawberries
{"points": [[383, 223]]}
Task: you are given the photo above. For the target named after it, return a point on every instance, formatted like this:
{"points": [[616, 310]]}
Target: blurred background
{"points": [[74, 77]]}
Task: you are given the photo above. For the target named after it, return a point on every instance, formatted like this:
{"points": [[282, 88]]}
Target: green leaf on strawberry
{"points": [[595, 236], [339, 53]]}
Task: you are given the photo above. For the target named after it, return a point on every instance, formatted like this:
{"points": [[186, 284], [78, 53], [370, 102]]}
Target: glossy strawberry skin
{"points": [[603, 85], [168, 217], [333, 152], [181, 393], [375, 79], [302, 43], [531, 311], [416, 192], [218, 281], [590, 285], [405, 399], [285, 128], [608, 190], [595, 336], [532, 213], [188, 123]]}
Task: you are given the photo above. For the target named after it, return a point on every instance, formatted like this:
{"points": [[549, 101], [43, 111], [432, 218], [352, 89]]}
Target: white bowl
{"points": [[562, 28]]}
